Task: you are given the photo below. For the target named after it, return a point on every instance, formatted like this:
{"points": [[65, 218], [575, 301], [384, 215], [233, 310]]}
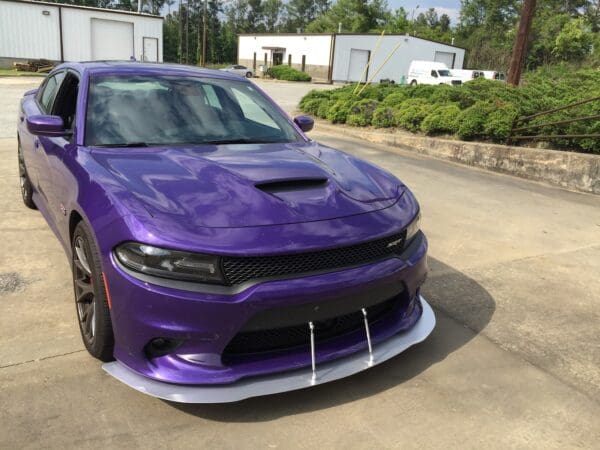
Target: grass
{"points": [[16, 73]]}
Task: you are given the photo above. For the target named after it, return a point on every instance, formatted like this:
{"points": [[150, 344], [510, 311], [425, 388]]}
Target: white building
{"points": [[39, 30], [343, 56]]}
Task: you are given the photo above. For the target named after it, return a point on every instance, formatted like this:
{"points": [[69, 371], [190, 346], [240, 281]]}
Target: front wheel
{"points": [[248, 74], [90, 295], [25, 183], [413, 83]]}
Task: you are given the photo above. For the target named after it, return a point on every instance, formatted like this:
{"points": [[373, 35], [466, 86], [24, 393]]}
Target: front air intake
{"points": [[273, 187]]}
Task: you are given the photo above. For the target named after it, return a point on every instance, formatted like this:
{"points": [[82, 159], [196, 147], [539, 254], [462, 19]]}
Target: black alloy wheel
{"points": [[91, 299], [25, 183]]}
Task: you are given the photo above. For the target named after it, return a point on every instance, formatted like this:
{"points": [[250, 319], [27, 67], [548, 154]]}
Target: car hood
{"points": [[246, 185]]}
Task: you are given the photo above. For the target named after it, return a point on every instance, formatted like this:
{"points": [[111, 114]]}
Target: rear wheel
{"points": [[413, 83], [248, 74], [25, 183], [90, 295]]}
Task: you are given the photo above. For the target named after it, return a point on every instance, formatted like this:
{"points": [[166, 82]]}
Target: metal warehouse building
{"points": [[39, 30], [343, 56]]}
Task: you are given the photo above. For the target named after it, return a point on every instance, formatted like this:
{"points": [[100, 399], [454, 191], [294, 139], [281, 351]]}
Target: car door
{"points": [[52, 176], [31, 146]]}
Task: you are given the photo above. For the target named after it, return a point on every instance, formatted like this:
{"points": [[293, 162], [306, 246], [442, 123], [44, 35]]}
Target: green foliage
{"points": [[384, 117], [443, 119], [411, 113], [480, 109], [573, 42], [284, 72], [361, 112]]}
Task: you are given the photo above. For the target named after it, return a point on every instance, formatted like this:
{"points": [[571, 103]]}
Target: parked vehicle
{"points": [[429, 72], [493, 75], [217, 253], [239, 70], [466, 75]]}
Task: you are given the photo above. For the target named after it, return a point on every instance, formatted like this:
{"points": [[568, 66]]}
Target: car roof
{"points": [[134, 67]]}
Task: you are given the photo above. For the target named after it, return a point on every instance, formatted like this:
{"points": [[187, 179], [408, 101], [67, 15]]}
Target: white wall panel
{"points": [[25, 32], [410, 49], [316, 47]]}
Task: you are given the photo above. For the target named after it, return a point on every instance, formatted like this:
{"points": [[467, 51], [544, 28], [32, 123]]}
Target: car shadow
{"points": [[463, 308]]}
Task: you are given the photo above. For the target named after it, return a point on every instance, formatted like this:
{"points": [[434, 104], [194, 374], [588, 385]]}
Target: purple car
{"points": [[217, 252]]}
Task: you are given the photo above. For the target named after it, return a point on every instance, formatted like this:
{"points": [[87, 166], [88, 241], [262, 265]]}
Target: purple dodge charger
{"points": [[217, 253]]}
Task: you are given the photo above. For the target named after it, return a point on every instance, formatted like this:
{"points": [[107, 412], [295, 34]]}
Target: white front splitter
{"points": [[280, 382]]}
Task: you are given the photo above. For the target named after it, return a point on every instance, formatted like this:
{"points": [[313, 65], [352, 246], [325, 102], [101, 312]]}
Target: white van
{"points": [[429, 72], [467, 75], [493, 75]]}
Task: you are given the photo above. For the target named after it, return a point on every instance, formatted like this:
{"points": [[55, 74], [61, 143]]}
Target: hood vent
{"points": [[274, 187]]}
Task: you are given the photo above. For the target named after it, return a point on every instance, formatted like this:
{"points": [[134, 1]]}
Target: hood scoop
{"points": [[296, 184]]}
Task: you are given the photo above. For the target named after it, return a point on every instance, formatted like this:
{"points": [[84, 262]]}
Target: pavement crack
{"points": [[21, 363]]}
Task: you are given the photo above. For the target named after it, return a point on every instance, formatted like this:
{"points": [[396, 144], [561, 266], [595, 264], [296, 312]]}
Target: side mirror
{"points": [[45, 125], [305, 123]]}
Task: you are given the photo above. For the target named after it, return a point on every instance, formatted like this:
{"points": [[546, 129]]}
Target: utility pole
{"points": [[204, 34], [519, 50], [180, 32]]}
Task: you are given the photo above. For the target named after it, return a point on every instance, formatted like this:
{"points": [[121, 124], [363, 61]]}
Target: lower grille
{"points": [[240, 269], [274, 339]]}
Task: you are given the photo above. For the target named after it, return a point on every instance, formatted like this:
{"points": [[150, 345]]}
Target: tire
{"points": [[25, 183], [248, 74], [91, 303], [413, 83]]}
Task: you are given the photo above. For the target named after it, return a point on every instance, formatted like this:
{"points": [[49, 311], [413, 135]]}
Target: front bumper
{"points": [[205, 323], [281, 382]]}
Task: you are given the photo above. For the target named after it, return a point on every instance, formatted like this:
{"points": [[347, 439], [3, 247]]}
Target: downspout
{"points": [[60, 34]]}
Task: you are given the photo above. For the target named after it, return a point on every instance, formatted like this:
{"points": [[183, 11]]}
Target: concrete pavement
{"points": [[514, 360]]}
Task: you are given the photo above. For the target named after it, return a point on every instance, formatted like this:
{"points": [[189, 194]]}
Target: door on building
{"points": [[446, 58], [112, 40], [356, 65], [150, 49], [277, 58]]}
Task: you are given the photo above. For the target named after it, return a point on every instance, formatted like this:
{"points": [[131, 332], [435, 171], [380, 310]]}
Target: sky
{"points": [[450, 7]]}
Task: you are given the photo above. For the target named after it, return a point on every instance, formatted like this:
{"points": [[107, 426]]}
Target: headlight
{"points": [[174, 264], [414, 227]]}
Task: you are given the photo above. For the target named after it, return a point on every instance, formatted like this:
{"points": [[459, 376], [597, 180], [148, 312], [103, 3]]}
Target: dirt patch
{"points": [[11, 282]]}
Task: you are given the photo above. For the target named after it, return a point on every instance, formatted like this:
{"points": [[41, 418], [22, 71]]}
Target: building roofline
{"points": [[89, 8], [350, 34]]}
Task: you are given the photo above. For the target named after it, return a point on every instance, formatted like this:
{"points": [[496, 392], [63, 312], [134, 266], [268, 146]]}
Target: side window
{"points": [[434, 74], [65, 104], [50, 90]]}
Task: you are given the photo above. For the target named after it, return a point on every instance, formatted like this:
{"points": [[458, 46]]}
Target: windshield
{"points": [[165, 110], [444, 73]]}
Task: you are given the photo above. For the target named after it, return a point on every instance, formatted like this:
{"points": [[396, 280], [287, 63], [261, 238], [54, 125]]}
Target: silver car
{"points": [[240, 70]]}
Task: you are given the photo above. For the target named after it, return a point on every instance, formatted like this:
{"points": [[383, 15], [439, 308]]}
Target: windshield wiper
{"points": [[124, 144]]}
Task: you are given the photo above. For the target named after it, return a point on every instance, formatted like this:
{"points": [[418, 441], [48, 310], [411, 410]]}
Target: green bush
{"points": [[324, 109], [472, 120], [442, 119], [395, 99], [411, 113], [283, 72], [338, 112], [499, 122], [361, 112], [383, 117]]}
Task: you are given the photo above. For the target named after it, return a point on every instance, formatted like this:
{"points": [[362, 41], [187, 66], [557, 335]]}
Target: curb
{"points": [[574, 171]]}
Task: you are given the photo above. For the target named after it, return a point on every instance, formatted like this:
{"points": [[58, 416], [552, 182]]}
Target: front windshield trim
{"points": [[181, 110]]}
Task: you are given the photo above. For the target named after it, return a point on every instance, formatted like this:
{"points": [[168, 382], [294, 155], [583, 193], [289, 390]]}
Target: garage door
{"points": [[112, 39], [446, 58], [357, 63]]}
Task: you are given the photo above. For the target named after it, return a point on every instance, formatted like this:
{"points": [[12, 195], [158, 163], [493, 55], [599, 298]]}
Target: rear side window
{"points": [[49, 91]]}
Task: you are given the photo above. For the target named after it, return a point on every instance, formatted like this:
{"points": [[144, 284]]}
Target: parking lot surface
{"points": [[513, 362]]}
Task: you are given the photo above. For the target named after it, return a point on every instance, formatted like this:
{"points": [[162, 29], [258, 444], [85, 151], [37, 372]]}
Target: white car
{"points": [[430, 72], [493, 75], [467, 75], [240, 70]]}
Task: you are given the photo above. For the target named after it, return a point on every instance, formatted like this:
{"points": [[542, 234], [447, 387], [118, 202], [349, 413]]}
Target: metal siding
{"points": [[28, 34], [77, 32], [410, 49], [25, 33]]}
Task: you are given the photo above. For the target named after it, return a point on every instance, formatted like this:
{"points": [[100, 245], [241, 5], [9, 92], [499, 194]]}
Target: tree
{"points": [[302, 12], [355, 16], [573, 42], [444, 23]]}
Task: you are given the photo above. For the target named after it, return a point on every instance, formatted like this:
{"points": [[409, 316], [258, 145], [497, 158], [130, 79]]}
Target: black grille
{"points": [[240, 269], [274, 339]]}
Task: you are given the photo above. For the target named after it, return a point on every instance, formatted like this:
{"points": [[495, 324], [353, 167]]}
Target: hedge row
{"points": [[480, 109], [288, 73]]}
